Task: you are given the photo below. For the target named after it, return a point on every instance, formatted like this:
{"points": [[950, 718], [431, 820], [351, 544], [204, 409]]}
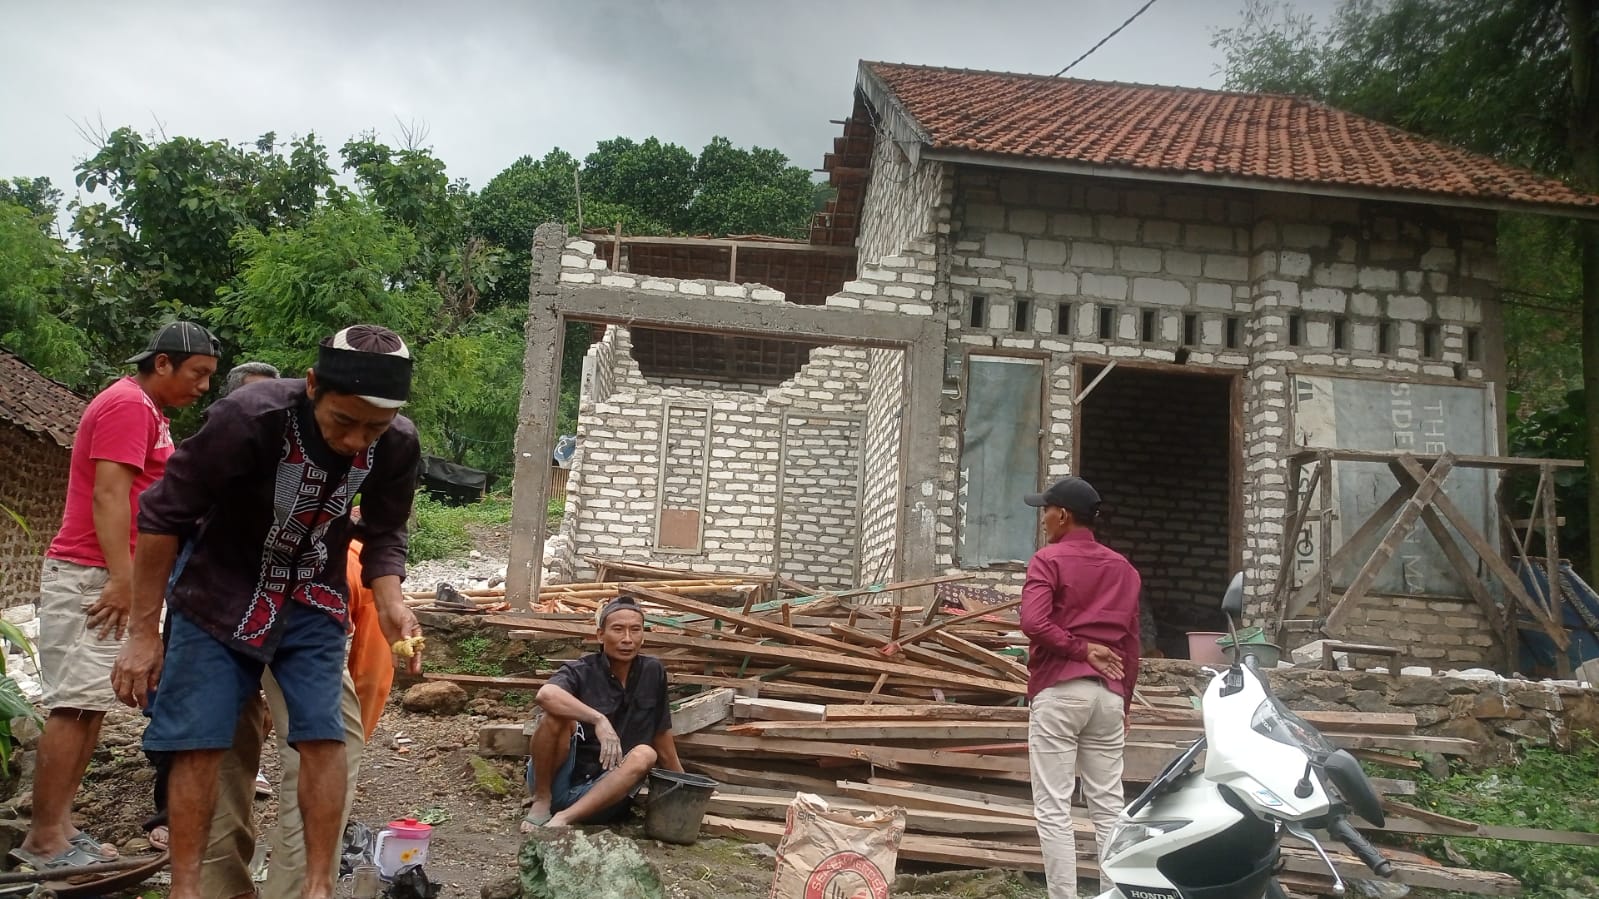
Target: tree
{"points": [[751, 191], [1511, 78], [162, 245], [34, 271], [37, 195], [468, 386], [346, 264]]}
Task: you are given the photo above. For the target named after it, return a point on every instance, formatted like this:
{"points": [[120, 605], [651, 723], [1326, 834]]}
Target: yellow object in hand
{"points": [[406, 647]]}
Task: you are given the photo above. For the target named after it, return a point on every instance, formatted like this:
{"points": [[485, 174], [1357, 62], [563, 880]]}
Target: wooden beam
{"points": [[780, 688], [1004, 767], [702, 711], [1428, 486], [751, 622], [913, 653], [789, 654], [1386, 456], [1004, 665], [931, 629], [1353, 544], [946, 711], [1491, 558], [760, 709]]}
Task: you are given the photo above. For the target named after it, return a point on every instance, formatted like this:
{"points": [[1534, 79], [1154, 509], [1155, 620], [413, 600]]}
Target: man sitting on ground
{"points": [[606, 723]]}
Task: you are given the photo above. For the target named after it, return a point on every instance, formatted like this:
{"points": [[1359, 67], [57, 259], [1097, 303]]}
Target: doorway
{"points": [[1161, 446]]}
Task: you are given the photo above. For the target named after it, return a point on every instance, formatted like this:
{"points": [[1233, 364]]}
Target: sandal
{"points": [[93, 846], [74, 856]]}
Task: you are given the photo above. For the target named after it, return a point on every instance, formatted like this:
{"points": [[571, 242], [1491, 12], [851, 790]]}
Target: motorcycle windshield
{"points": [[1278, 722]]}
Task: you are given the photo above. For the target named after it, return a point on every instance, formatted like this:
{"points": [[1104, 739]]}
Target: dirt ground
{"points": [[475, 839]]}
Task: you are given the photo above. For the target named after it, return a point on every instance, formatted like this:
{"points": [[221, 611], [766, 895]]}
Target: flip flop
{"points": [[93, 846], [537, 820], [74, 856]]}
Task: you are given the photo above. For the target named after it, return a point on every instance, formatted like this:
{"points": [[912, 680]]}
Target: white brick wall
{"points": [[880, 493]]}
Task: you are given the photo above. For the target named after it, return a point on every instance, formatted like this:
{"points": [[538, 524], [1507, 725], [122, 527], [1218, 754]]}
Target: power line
{"points": [[1106, 38]]}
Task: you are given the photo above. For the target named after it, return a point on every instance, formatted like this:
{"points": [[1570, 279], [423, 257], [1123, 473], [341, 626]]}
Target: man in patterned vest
{"points": [[263, 494]]}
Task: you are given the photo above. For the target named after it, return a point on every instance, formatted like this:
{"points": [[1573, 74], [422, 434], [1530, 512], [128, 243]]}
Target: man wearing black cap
{"points": [[606, 723], [1080, 614], [123, 442], [262, 495]]}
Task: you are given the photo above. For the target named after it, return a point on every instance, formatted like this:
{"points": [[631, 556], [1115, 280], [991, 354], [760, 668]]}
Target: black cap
{"points": [[181, 337], [1073, 494]]}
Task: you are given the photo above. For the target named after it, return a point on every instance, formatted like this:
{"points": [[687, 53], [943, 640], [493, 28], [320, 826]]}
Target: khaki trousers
{"points": [[1075, 731], [225, 871]]}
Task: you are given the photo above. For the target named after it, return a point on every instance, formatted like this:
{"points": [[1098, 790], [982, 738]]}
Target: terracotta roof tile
{"points": [[37, 404], [1172, 130]]}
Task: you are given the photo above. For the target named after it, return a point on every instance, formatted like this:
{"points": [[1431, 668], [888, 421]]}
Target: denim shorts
{"points": [[564, 793], [205, 684]]}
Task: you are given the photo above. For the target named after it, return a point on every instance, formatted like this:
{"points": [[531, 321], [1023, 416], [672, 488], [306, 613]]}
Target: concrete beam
{"points": [[731, 315], [551, 304], [535, 419]]}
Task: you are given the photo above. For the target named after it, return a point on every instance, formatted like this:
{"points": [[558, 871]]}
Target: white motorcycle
{"points": [[1268, 775]]}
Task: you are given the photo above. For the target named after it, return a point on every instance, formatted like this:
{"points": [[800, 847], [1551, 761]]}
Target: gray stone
{"points": [[1182, 262], [1139, 259], [1104, 287], [1092, 255], [1028, 221], [1046, 252], [1003, 246], [568, 863], [985, 216], [1407, 308], [1368, 701], [1054, 283], [1324, 299], [1421, 691], [1072, 224], [1214, 296], [1160, 292], [435, 698], [1545, 700]]}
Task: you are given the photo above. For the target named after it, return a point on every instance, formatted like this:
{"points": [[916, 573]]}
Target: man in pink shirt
{"points": [[121, 448], [1080, 614]]}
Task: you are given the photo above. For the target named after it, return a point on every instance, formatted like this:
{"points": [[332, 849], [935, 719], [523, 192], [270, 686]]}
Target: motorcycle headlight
{"points": [[1130, 833]]}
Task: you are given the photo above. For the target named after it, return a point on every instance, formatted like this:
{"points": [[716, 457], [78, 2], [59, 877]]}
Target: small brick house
{"points": [[1166, 290], [38, 418]]}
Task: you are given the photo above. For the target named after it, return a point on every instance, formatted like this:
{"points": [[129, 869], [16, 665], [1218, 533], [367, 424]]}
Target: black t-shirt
{"points": [[638, 710]]}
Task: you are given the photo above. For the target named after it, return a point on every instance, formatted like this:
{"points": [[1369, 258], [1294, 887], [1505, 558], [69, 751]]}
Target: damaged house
{"points": [[38, 420], [1239, 315]]}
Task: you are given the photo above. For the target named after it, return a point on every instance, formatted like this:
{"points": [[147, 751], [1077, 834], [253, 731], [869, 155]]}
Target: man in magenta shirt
{"points": [[121, 448], [1080, 614]]}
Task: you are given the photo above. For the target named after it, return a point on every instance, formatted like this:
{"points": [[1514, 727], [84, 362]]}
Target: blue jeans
{"points": [[205, 684], [564, 792]]}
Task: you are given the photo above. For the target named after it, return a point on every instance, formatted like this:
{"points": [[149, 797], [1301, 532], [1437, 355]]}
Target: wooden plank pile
{"points": [[870, 704]]}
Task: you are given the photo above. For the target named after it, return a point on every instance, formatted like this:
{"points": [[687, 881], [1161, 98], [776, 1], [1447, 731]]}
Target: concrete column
{"points": [[535, 420]]}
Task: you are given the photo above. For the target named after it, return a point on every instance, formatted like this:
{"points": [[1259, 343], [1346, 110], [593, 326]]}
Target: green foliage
{"points": [[1558, 432], [439, 531], [37, 195], [1548, 789], [162, 244], [474, 655], [468, 387], [297, 285], [751, 191], [35, 268]]}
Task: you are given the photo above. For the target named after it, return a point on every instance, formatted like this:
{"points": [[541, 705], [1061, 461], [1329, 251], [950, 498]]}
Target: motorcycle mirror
{"points": [[1346, 774], [1232, 603]]}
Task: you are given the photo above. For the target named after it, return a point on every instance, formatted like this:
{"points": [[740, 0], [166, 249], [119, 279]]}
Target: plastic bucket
{"points": [[676, 806], [1246, 635], [1268, 653], [1202, 648]]}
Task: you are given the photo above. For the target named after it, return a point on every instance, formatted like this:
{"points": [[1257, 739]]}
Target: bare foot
{"points": [[538, 815], [160, 837]]}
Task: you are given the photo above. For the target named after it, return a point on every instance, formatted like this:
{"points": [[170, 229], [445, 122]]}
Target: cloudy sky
{"points": [[492, 80]]}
